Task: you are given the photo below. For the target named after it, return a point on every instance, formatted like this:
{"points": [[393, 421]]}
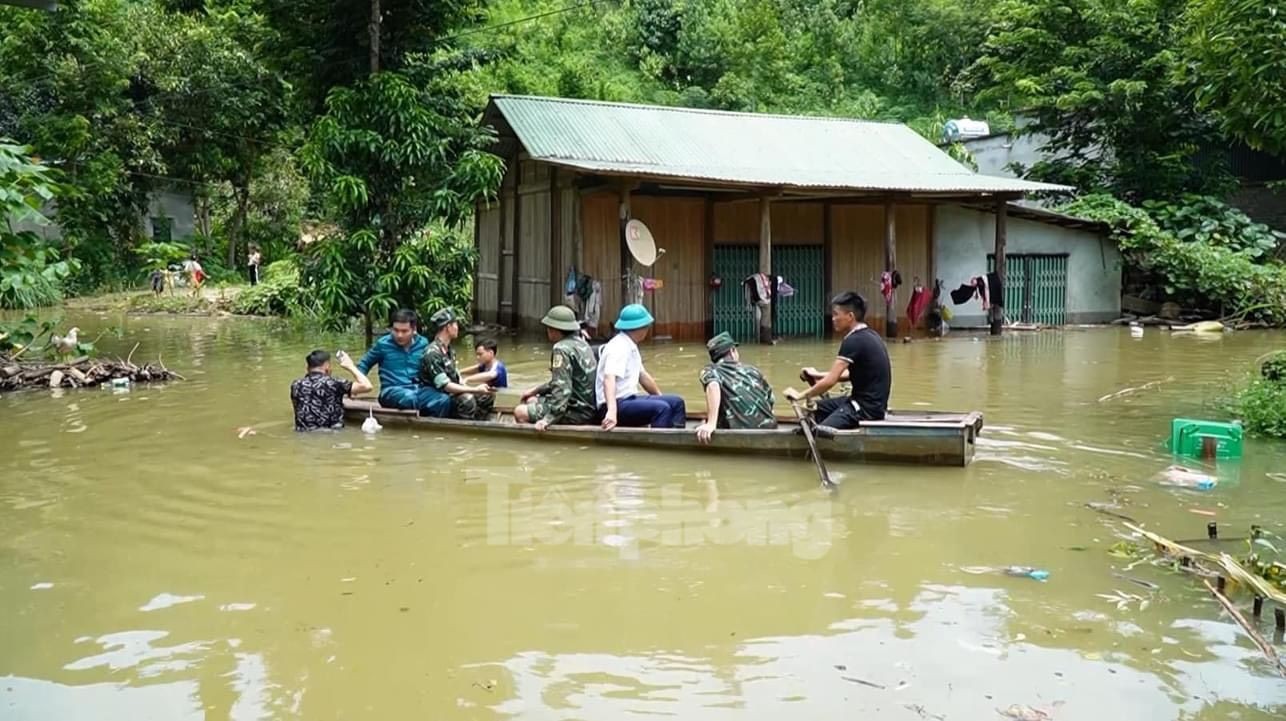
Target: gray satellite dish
{"points": [[640, 242]]}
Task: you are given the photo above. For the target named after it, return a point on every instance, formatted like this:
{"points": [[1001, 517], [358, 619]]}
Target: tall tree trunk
{"points": [[374, 29], [237, 224]]}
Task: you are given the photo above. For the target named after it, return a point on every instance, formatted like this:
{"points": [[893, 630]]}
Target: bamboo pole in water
{"points": [[1264, 647]]}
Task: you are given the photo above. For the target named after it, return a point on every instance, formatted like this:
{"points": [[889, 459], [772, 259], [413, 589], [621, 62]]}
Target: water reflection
{"points": [[958, 657]]}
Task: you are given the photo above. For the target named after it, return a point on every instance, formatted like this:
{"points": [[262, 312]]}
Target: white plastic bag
{"points": [[370, 425]]}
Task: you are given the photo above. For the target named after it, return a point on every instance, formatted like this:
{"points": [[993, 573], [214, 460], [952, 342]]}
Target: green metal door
{"points": [[800, 266], [1035, 287], [734, 263]]}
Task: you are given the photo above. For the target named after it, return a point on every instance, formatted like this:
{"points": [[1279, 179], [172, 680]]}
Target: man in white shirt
{"points": [[621, 376]]}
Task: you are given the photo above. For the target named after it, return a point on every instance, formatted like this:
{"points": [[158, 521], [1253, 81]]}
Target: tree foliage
{"points": [[1232, 274], [1236, 56], [1099, 79], [31, 273]]}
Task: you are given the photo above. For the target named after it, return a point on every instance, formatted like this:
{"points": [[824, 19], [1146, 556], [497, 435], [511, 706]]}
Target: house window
{"points": [[162, 229]]}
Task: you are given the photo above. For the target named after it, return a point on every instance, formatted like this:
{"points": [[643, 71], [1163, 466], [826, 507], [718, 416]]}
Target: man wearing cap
{"points": [[438, 370], [568, 397], [737, 394], [398, 355], [621, 378]]}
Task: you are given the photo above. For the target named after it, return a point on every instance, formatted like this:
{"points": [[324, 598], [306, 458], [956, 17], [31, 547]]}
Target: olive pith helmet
{"points": [[442, 319], [560, 317], [720, 345]]}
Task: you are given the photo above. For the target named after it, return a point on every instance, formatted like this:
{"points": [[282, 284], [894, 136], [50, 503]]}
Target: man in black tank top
{"points": [[862, 360]]}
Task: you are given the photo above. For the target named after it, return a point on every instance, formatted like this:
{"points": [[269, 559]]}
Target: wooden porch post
{"points": [[890, 263], [627, 262], [997, 303], [765, 264]]}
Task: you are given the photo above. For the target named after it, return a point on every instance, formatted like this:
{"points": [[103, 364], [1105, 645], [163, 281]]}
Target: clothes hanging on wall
{"points": [[997, 288], [977, 286], [920, 300], [886, 286], [757, 289], [594, 304], [964, 293]]}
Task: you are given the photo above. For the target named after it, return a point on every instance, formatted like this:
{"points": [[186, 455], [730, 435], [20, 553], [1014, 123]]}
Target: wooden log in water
{"points": [[79, 372]]}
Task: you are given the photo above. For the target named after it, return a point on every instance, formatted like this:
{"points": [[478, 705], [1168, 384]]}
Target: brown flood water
{"points": [[153, 565]]}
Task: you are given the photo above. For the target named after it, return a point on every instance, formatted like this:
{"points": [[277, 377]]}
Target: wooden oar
{"points": [[804, 425]]}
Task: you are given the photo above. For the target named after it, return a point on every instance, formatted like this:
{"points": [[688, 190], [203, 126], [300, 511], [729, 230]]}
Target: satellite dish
{"points": [[639, 240]]}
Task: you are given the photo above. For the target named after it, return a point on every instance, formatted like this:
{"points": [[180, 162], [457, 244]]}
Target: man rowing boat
{"points": [[862, 360]]}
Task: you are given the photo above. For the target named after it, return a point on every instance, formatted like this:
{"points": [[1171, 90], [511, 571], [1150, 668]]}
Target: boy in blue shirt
{"points": [[490, 370]]}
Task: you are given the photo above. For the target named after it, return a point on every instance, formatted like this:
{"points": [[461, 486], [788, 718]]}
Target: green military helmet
{"points": [[442, 319], [560, 317], [720, 345]]}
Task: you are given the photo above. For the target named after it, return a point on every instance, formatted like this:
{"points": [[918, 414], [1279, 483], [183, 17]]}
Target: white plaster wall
{"points": [[994, 154], [177, 206], [962, 238]]}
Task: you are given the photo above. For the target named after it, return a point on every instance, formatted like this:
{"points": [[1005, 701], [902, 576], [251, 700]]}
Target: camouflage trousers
{"points": [[472, 407]]}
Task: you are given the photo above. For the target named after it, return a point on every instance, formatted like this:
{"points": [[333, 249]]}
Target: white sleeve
{"points": [[613, 361]]}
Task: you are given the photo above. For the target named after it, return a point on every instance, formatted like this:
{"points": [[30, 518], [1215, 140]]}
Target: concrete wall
{"points": [[163, 203], [994, 154], [174, 205], [963, 238]]}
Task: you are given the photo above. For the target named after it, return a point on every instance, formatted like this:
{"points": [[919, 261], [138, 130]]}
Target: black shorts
{"points": [[839, 413]]}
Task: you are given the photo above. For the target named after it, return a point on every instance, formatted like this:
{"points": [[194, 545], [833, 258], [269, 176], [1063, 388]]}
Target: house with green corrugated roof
{"points": [[811, 205]]}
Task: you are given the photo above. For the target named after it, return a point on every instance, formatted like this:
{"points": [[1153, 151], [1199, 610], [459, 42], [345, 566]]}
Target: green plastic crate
{"points": [[1188, 437]]}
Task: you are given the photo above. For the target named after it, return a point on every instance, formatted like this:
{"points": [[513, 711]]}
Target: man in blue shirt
{"points": [[398, 356]]}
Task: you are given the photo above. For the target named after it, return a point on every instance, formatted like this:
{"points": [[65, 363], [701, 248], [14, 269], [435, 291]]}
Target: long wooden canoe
{"points": [[924, 438]]}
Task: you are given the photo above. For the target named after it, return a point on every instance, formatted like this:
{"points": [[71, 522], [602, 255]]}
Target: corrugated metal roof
{"points": [[742, 148]]}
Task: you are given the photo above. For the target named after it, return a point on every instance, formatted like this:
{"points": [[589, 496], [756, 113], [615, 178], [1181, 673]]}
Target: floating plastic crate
{"points": [[1206, 439]]}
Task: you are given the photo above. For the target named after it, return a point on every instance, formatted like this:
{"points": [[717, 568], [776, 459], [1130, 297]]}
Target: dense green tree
{"points": [[1098, 78], [1236, 56], [31, 273]]}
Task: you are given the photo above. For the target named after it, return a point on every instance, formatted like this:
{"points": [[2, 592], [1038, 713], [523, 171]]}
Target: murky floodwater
{"points": [[155, 565]]}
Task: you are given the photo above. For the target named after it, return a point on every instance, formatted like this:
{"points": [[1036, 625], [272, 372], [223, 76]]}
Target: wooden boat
{"points": [[924, 438]]}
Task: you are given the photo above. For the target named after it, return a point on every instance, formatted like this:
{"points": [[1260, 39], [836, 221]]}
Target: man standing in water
{"points": [[737, 394], [568, 397], [862, 360], [318, 397], [438, 371], [398, 354]]}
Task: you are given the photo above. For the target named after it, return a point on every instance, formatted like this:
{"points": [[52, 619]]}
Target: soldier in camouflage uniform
{"points": [[438, 370], [568, 397], [737, 395]]}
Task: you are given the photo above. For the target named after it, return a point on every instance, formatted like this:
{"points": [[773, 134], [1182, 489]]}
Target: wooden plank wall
{"points": [[678, 225], [600, 251], [793, 223], [534, 266], [505, 304], [487, 283], [857, 236]]}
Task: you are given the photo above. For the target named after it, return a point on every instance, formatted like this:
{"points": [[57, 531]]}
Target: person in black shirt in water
{"points": [[318, 397], [863, 361]]}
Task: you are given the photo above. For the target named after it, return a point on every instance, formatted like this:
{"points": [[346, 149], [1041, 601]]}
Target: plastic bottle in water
{"points": [[1027, 572]]}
